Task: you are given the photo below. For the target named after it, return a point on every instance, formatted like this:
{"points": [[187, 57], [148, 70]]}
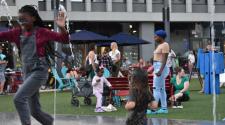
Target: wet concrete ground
{"points": [[12, 119]]}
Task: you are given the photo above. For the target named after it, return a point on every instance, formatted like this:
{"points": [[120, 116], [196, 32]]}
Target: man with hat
{"points": [[161, 71]]}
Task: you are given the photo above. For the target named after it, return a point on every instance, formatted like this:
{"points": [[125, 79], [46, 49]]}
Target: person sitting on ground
{"points": [[98, 82], [140, 98], [181, 86]]}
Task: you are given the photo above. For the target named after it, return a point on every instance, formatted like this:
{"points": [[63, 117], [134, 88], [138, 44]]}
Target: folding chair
{"points": [[63, 82]]}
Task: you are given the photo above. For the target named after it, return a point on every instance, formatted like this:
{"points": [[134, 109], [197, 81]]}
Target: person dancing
{"points": [[31, 37]]}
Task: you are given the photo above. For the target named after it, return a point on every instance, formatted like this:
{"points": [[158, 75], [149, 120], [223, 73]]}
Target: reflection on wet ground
{"points": [[12, 119]]}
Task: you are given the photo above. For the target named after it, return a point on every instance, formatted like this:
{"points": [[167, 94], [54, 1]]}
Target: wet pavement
{"points": [[12, 119]]}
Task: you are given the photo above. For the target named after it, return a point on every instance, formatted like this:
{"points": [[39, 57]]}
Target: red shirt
{"points": [[42, 36]]}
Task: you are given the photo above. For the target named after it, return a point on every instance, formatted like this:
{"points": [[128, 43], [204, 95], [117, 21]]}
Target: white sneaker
{"points": [[109, 108], [180, 106], [177, 106]]}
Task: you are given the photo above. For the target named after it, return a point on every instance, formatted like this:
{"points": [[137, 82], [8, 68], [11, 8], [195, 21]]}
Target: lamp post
{"points": [[166, 19]]}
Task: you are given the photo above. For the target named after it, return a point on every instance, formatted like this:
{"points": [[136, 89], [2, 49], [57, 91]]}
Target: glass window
{"points": [[77, 1], [157, 1], [119, 1], [103, 1], [178, 1], [139, 1]]}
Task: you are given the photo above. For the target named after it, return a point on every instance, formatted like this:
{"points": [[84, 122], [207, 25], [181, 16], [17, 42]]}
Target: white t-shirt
{"points": [[114, 55], [191, 58], [98, 86], [170, 58]]}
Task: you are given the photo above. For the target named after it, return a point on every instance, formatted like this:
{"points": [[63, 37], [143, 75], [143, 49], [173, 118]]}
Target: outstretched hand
{"points": [[61, 19]]}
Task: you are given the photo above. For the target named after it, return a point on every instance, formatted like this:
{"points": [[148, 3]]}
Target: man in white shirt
{"points": [[171, 61], [191, 62]]}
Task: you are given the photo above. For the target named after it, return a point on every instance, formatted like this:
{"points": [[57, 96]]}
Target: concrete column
{"points": [[129, 6], [88, 5], [189, 6], [149, 5], [170, 5], [68, 5], [166, 19], [211, 6], [146, 32], [48, 5], [109, 5]]}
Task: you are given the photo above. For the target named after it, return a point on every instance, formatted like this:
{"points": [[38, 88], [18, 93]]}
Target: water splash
{"points": [[62, 8], [212, 14], [4, 11]]}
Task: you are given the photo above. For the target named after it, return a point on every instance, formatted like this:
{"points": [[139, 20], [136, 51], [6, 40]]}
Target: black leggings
{"points": [[183, 98]]}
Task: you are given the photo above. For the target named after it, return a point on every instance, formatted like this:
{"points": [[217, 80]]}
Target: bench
{"points": [[122, 85], [14, 80]]}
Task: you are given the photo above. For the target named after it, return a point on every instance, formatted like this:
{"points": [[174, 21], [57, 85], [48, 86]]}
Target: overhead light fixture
{"points": [[130, 26], [49, 25], [134, 31]]}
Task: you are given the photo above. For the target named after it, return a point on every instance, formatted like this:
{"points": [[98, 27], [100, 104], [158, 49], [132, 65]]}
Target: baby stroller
{"points": [[82, 89]]}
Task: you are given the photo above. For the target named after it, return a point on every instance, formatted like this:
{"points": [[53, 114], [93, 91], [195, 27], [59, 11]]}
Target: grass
{"points": [[198, 108]]}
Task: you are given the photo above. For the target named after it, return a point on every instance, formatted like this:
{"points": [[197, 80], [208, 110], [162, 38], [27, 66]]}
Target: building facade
{"points": [[190, 20]]}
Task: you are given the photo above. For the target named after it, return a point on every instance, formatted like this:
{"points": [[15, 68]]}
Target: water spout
{"points": [[4, 11]]}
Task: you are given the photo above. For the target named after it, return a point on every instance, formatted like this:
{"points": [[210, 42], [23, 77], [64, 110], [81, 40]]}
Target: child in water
{"points": [[32, 38], [140, 98]]}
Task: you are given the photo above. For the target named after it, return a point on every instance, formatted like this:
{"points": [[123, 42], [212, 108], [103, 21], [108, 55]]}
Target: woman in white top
{"points": [[115, 56], [91, 62]]}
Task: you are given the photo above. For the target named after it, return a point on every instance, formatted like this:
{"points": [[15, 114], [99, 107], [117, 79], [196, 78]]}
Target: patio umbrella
{"points": [[124, 39], [85, 36]]}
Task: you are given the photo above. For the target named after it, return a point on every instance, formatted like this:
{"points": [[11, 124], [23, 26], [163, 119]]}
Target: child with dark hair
{"points": [[98, 82], [140, 98], [31, 37]]}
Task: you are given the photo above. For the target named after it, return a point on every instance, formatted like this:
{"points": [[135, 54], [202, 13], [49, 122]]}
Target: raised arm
{"points": [[11, 35], [63, 36]]}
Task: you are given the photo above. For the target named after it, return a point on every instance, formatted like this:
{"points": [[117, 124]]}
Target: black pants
{"points": [[183, 98]]}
